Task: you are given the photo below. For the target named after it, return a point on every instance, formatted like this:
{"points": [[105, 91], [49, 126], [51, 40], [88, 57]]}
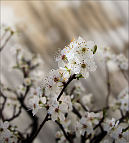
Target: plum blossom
{"points": [[36, 101], [6, 136], [93, 117], [77, 57], [122, 100], [67, 100], [57, 110], [27, 81], [121, 61], [83, 126], [118, 135], [16, 49], [109, 124]]}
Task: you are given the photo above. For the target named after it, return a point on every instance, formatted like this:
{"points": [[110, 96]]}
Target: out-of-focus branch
{"points": [[125, 76], [68, 137], [72, 91], [1, 38], [27, 90], [6, 41], [83, 106], [108, 84], [15, 115], [99, 110], [3, 104], [76, 112], [31, 138]]}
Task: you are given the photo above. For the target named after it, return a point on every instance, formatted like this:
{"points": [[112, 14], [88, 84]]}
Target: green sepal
{"points": [[16, 66], [60, 102], [95, 49], [68, 70], [104, 112], [79, 76]]}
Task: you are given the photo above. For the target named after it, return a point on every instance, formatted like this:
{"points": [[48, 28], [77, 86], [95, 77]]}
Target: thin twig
{"points": [[27, 90], [83, 106], [14, 116], [62, 128], [35, 135], [14, 110], [121, 113], [5, 42], [3, 35], [76, 112], [99, 110], [68, 137], [3, 104], [69, 80], [108, 84], [125, 76]]}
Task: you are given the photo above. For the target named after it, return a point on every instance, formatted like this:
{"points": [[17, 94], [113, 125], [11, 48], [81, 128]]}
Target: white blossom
{"points": [[27, 81], [121, 61], [57, 110], [108, 124], [118, 135]]}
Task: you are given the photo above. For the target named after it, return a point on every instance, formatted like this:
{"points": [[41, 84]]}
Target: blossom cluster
{"points": [[86, 123], [122, 101], [77, 57], [116, 131], [106, 54], [7, 28], [7, 134], [36, 100]]}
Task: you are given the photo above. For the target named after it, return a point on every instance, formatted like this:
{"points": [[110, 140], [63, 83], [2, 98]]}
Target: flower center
{"points": [[83, 50], [63, 57], [57, 110], [6, 139], [1, 129], [83, 66], [56, 79], [120, 135], [84, 126], [40, 102], [34, 105]]}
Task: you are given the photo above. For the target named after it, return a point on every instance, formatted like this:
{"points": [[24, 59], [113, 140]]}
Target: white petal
{"points": [[6, 125], [61, 116], [63, 107], [85, 73]]}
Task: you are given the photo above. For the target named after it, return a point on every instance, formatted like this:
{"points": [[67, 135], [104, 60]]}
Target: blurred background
{"points": [[46, 26]]}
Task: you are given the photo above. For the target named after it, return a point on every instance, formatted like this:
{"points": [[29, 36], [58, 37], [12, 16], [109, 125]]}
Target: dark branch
{"points": [[108, 84], [69, 80], [76, 112]]}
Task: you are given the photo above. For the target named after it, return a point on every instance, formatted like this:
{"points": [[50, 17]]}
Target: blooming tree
{"points": [[59, 99]]}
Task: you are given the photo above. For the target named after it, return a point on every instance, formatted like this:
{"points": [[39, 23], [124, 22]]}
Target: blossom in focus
{"points": [[77, 57], [108, 124], [83, 126], [57, 110]]}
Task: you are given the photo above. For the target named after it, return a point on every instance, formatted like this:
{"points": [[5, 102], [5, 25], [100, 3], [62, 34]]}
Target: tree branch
{"points": [[30, 139], [69, 80], [108, 84]]}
